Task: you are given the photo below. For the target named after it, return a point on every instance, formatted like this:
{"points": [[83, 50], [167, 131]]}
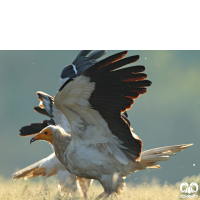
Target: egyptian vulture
{"points": [[51, 165], [102, 144], [82, 62]]}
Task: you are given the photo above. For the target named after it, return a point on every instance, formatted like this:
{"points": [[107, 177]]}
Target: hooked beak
{"points": [[43, 135], [32, 140], [36, 137]]}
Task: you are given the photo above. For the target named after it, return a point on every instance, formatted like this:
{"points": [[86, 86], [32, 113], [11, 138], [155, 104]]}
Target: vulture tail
{"points": [[150, 157]]}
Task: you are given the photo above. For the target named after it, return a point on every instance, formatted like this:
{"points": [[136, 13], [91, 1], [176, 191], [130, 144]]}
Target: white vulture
{"points": [[51, 165], [102, 144]]}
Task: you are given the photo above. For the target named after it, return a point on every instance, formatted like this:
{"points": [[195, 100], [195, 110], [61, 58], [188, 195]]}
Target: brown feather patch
{"points": [[110, 61]]}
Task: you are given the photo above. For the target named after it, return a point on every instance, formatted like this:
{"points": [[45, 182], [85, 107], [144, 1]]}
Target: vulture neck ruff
{"points": [[61, 141]]}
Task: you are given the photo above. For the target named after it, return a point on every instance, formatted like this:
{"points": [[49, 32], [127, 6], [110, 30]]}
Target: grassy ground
{"points": [[46, 189]]}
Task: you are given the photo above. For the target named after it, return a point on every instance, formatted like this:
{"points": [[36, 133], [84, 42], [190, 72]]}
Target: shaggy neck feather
{"points": [[61, 141]]}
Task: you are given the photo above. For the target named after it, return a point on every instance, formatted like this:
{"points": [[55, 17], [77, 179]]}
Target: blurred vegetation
{"points": [[168, 114], [11, 190], [47, 189]]}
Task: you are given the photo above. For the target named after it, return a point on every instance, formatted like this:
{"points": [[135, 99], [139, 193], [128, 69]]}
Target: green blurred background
{"points": [[168, 114]]}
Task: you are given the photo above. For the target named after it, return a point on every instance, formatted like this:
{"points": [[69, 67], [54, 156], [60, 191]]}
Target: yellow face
{"points": [[45, 134]]}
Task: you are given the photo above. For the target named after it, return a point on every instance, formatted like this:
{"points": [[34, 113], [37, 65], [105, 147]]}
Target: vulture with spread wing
{"points": [[102, 144], [51, 165]]}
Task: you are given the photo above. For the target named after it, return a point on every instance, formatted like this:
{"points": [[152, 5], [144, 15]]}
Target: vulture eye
{"points": [[45, 132]]}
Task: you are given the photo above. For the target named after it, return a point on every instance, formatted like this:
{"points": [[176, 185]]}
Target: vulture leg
{"points": [[84, 185]]}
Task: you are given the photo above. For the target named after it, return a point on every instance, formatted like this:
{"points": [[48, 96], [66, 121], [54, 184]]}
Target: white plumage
{"points": [[46, 167], [102, 145], [88, 162], [50, 166]]}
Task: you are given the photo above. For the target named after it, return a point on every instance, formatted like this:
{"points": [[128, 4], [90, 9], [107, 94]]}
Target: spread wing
{"points": [[45, 109], [83, 61], [46, 167], [34, 128], [41, 111], [94, 102], [58, 118], [48, 108]]}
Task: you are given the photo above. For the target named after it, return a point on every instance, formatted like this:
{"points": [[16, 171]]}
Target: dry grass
{"points": [[47, 189]]}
